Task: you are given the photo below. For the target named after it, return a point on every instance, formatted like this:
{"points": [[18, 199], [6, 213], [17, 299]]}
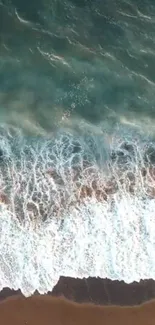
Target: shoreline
{"points": [[97, 291]]}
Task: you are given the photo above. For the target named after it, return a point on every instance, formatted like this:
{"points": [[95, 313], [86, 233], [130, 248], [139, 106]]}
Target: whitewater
{"points": [[74, 204]]}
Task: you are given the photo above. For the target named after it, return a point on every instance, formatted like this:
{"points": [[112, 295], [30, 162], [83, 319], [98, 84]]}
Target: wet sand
{"points": [[47, 310], [102, 291], [97, 291]]}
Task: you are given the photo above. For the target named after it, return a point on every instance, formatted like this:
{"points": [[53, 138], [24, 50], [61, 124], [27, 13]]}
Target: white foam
{"points": [[113, 238]]}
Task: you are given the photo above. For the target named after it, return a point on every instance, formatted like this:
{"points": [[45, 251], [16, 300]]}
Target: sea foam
{"points": [[72, 206]]}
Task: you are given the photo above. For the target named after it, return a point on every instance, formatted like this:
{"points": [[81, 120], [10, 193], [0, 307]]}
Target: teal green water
{"points": [[66, 62]]}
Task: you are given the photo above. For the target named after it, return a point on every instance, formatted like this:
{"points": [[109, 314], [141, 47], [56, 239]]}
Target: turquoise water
{"points": [[93, 61]]}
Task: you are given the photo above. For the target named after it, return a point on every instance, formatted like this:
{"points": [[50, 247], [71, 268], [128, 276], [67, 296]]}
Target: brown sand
{"points": [[47, 310]]}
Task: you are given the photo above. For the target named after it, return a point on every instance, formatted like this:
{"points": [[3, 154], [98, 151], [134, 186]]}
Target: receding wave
{"points": [[72, 205]]}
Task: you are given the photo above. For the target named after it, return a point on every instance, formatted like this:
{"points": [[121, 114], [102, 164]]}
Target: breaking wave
{"points": [[74, 205]]}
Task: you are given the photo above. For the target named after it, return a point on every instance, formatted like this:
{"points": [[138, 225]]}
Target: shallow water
{"points": [[76, 85]]}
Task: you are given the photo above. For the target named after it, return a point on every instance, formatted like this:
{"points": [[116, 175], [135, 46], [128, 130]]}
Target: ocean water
{"points": [[77, 150]]}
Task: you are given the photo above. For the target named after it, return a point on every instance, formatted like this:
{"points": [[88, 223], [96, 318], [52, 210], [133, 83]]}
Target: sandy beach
{"points": [[46, 310]]}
